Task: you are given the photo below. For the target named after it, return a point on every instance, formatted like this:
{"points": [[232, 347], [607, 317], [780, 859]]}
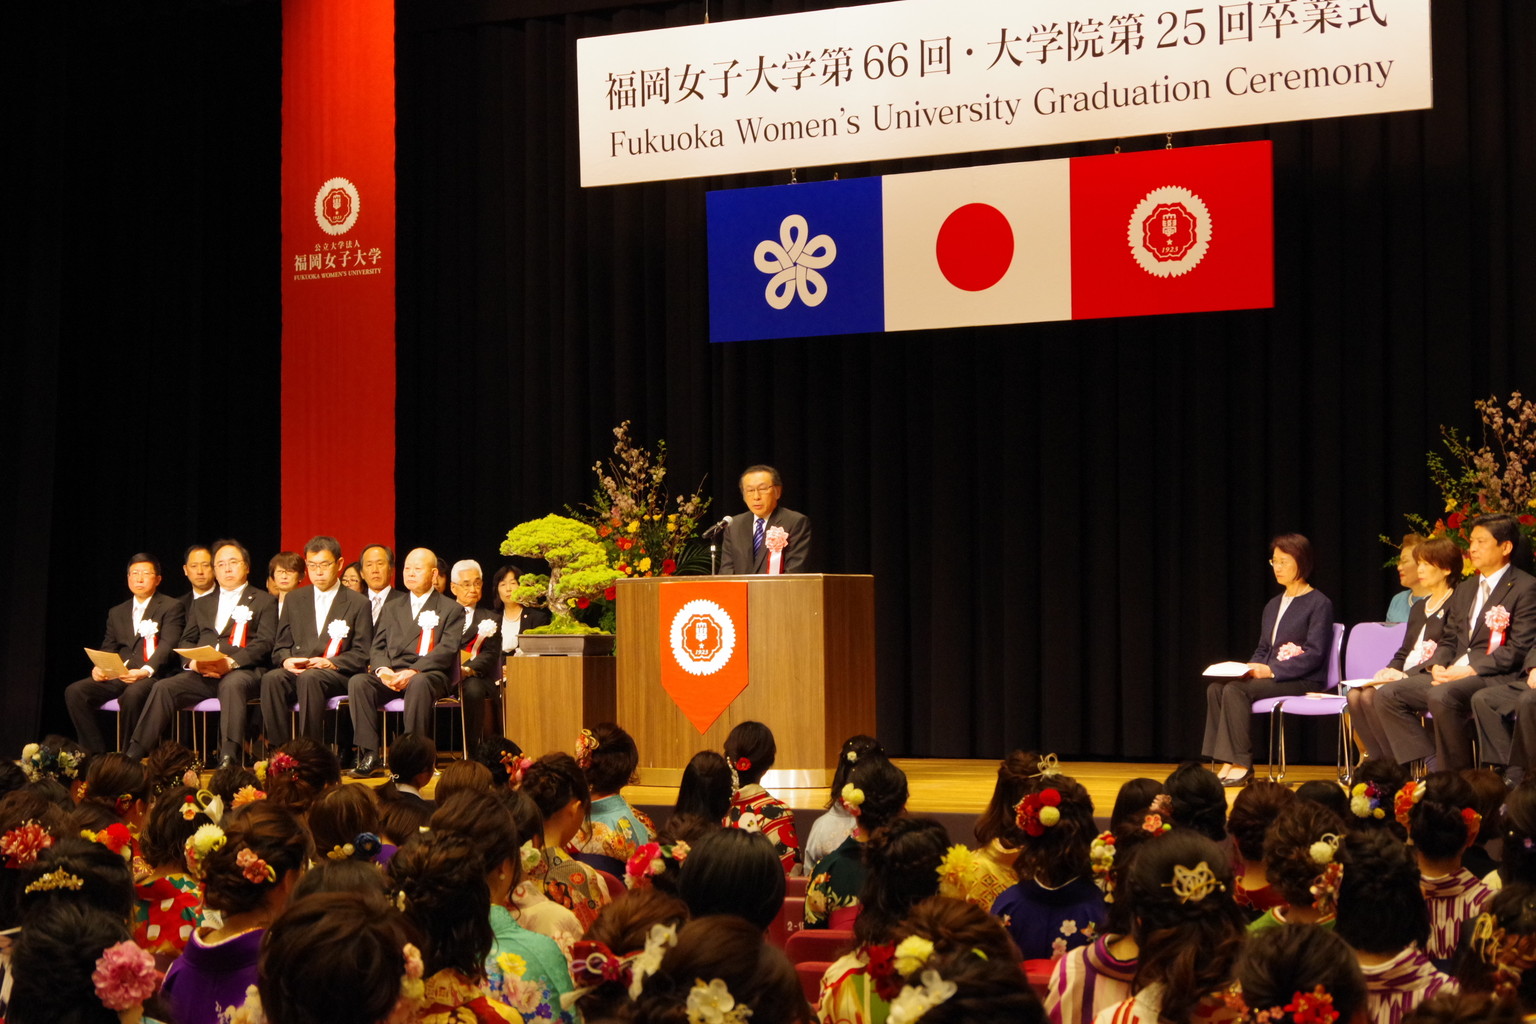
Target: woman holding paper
{"points": [[1439, 569], [1294, 635]]}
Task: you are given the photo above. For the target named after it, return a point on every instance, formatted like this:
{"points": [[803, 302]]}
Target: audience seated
{"points": [[875, 793], [830, 829], [1442, 821], [749, 751], [559, 788], [614, 830], [1255, 809], [1304, 860], [997, 832], [703, 799], [479, 648], [1297, 973]]}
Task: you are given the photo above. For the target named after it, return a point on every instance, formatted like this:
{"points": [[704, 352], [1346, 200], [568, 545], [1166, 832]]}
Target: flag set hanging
{"points": [[1127, 234]]}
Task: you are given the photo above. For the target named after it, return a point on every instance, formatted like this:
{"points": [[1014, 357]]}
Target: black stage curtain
{"points": [[1066, 521]]}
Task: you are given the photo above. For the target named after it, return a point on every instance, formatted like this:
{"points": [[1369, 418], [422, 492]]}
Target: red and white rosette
{"points": [[1422, 652], [149, 629], [776, 539], [337, 630], [485, 629], [1497, 620], [1289, 651], [428, 622], [240, 615]]}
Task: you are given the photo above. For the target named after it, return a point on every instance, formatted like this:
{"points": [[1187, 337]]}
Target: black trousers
{"points": [[310, 689], [366, 695], [85, 697]]}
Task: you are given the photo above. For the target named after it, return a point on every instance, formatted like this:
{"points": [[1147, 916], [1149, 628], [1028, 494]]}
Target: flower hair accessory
{"points": [[743, 764], [38, 762], [1324, 850], [1153, 822], [853, 799], [247, 795], [517, 766], [1473, 821], [1509, 956], [200, 844], [1315, 1007], [125, 976], [22, 844], [913, 1002], [255, 870], [958, 871], [59, 879], [593, 964], [1365, 801], [882, 970], [712, 1003], [281, 764], [585, 744], [412, 989], [260, 770], [1325, 889], [1162, 804], [1411, 793], [1101, 857], [1037, 812], [912, 954], [1047, 766], [1191, 885], [115, 837], [852, 757], [662, 937]]}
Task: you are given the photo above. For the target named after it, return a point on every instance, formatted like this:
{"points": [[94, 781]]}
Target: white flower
{"points": [[662, 938], [338, 629], [750, 822], [30, 751], [240, 613], [486, 627], [427, 620], [912, 1003], [714, 1004], [147, 628]]}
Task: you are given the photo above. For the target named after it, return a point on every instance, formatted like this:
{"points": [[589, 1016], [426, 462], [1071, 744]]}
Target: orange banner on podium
{"points": [[703, 646]]}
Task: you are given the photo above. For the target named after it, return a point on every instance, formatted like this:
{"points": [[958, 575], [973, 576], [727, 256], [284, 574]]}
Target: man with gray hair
{"points": [[480, 649]]}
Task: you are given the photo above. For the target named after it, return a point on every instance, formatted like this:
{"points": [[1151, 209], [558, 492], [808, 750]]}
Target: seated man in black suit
{"points": [[324, 636], [197, 566], [240, 622], [415, 653], [144, 631], [378, 569], [773, 539], [1490, 625], [480, 648]]}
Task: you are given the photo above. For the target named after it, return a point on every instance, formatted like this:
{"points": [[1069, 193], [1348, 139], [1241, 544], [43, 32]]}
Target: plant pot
{"points": [[572, 645]]}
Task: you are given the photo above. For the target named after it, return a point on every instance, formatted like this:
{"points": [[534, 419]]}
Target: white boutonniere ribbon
{"points": [[240, 615], [1497, 620], [427, 620], [149, 629], [485, 629], [776, 540], [338, 631]]}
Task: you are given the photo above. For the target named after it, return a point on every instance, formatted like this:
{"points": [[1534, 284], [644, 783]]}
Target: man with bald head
{"points": [[415, 652]]}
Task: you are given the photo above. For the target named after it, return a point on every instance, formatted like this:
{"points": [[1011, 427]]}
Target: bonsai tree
{"points": [[578, 569]]}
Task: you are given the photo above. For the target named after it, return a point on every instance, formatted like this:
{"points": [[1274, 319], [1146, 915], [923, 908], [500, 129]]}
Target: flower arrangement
{"points": [[1494, 477], [643, 530]]}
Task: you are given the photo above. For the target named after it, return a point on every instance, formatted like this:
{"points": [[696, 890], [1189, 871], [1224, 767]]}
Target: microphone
{"points": [[717, 529]]}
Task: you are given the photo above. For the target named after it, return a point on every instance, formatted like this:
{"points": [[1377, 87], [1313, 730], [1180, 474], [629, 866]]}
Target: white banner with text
{"points": [[923, 77]]}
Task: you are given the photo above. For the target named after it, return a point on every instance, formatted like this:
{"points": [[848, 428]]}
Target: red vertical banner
{"points": [[338, 214]]}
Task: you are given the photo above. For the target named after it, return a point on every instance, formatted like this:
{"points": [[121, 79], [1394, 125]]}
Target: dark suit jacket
{"points": [[737, 555], [1432, 625], [1516, 592], [121, 640], [296, 636], [1308, 623], [398, 635], [395, 594], [484, 663], [186, 602], [260, 631]]}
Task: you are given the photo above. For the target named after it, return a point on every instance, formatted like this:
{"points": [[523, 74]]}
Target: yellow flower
{"points": [[671, 527], [644, 565], [673, 517], [912, 954], [634, 526], [512, 965], [1450, 504]]}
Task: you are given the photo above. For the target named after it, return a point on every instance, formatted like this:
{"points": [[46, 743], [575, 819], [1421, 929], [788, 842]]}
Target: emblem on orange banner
{"points": [[703, 658]]}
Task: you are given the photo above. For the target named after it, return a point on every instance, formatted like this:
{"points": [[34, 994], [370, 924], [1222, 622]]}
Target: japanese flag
{"points": [[977, 245], [1173, 231]]}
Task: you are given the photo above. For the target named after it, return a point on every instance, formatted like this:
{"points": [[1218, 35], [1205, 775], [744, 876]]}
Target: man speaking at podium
{"points": [[773, 539]]}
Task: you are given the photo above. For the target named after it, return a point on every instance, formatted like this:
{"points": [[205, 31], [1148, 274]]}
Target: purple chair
{"points": [[331, 704], [1331, 704], [116, 707], [397, 706]]}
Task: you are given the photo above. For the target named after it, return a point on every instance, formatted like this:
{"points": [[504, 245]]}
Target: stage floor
{"points": [[956, 786]]}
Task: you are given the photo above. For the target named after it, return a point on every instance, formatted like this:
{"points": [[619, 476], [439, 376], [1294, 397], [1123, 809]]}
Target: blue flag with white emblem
{"points": [[796, 260]]}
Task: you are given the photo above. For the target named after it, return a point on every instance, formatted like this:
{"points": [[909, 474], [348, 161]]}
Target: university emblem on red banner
{"points": [[336, 206], [703, 637], [1169, 231]]}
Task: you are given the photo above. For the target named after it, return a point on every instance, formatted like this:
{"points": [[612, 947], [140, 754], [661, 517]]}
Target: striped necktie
{"points": [[757, 537]]}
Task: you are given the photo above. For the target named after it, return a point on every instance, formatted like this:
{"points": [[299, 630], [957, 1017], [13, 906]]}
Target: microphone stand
{"points": [[711, 558]]}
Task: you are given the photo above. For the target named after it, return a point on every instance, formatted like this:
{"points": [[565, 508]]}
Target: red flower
{"points": [[608, 593], [1050, 797], [743, 764], [624, 543], [882, 968], [582, 602], [668, 566], [1528, 520], [1454, 520], [603, 531]]}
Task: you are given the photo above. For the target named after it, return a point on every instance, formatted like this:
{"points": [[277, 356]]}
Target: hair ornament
{"points": [[39, 762], [125, 976], [1315, 1007], [1509, 956], [248, 1012], [650, 860], [712, 1003], [593, 964], [585, 744], [1037, 812], [958, 871], [1162, 804], [743, 764], [22, 844], [247, 795], [282, 764], [1473, 821], [1325, 849], [200, 844], [882, 970], [1411, 793], [1191, 885], [662, 937], [913, 1002], [1365, 801], [1153, 823], [1101, 857], [115, 837], [1325, 889], [58, 879], [191, 779], [517, 766], [401, 900], [735, 778], [912, 954], [255, 870], [1047, 766], [852, 757], [529, 856], [412, 989], [853, 799]]}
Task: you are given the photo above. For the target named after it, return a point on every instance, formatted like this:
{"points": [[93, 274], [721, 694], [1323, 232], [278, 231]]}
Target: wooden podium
{"points": [[811, 661], [549, 700]]}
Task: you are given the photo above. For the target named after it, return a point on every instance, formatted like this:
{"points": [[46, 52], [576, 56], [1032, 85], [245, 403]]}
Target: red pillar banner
{"points": [[338, 214]]}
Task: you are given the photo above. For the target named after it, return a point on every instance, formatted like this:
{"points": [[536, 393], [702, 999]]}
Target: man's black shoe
{"points": [[228, 761], [367, 765]]}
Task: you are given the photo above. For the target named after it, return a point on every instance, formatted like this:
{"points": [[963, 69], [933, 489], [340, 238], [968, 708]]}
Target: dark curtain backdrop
{"points": [[1066, 521]]}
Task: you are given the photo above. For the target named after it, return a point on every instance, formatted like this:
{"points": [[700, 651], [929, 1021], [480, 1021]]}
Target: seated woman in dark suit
{"points": [[514, 617], [1439, 570], [1295, 633]]}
